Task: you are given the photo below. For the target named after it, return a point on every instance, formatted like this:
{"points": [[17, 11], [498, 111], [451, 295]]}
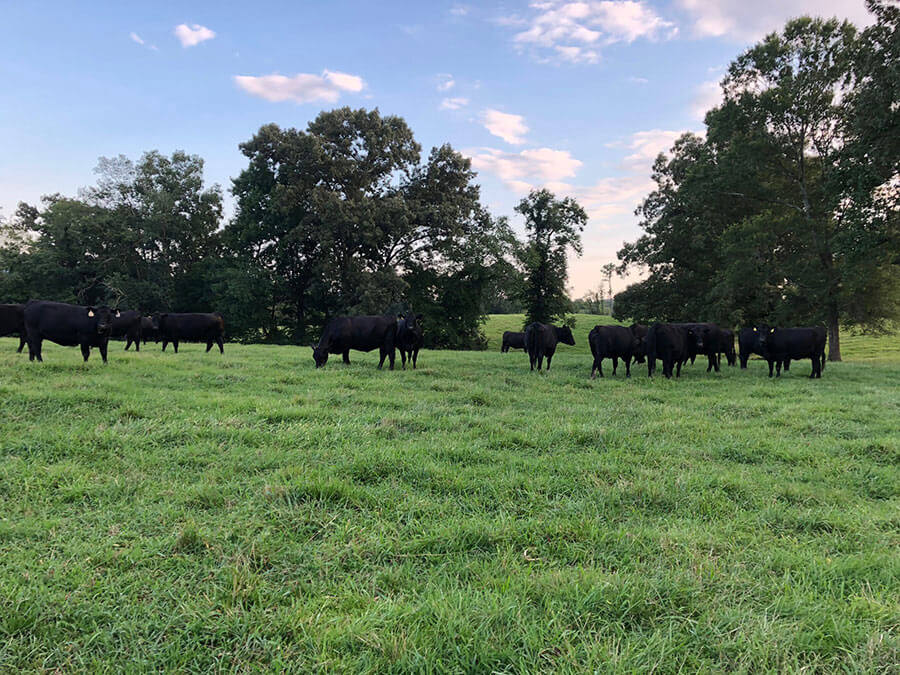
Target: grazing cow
{"points": [[713, 343], [617, 342], [780, 344], [513, 340], [12, 322], [362, 333], [748, 343], [128, 325], [541, 340], [175, 328], [673, 344], [67, 325], [410, 337]]}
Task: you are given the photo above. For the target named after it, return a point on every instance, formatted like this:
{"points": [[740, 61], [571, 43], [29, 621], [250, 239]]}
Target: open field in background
{"points": [[246, 511]]}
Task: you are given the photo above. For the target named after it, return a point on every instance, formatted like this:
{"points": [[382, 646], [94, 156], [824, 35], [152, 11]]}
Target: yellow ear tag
{"points": [[754, 330], [90, 313], [771, 330]]}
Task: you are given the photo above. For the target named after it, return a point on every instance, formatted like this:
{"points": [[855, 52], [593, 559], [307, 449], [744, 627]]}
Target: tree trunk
{"points": [[834, 336]]}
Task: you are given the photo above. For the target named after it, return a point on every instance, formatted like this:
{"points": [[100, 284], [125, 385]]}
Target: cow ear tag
{"points": [[754, 330], [771, 330], [117, 314], [90, 312]]}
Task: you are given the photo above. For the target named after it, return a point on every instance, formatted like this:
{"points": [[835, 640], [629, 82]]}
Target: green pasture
{"points": [[245, 512]]}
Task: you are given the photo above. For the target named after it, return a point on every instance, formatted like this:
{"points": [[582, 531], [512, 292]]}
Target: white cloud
{"points": [[445, 82], [706, 96], [459, 10], [638, 80], [190, 36], [565, 27], [454, 103], [743, 21], [301, 88], [137, 38], [524, 170], [511, 128], [646, 145]]}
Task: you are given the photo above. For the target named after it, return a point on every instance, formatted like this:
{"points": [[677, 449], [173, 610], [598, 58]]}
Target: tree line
{"points": [[788, 210], [344, 217]]}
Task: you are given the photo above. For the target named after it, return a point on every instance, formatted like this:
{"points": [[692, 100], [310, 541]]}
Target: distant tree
{"points": [[608, 270], [553, 227]]}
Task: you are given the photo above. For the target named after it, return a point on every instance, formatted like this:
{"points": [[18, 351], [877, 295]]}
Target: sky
{"points": [[576, 96]]}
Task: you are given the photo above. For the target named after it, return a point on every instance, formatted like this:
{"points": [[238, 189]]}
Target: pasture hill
{"points": [[247, 511]]}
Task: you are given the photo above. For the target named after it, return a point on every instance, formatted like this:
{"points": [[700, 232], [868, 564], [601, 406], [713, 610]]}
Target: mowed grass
{"points": [[247, 512]]}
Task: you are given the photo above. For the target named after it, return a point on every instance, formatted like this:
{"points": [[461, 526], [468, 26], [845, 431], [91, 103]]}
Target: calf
{"points": [[12, 322], [410, 338], [781, 344], [362, 333], [616, 342], [175, 328], [541, 340], [128, 325], [673, 345], [513, 340], [67, 325]]}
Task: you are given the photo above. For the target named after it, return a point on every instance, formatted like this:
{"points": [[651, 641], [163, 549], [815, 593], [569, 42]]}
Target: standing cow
{"points": [[175, 328], [362, 333], [727, 346], [67, 325], [410, 337], [780, 344], [12, 322], [541, 340], [748, 344], [147, 332], [128, 325], [617, 342], [513, 340], [713, 340], [673, 345]]}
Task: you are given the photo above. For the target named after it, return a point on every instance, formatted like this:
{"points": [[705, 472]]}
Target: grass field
{"points": [[199, 512]]}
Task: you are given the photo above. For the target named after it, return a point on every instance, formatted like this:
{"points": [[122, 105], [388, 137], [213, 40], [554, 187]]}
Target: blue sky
{"points": [[578, 96]]}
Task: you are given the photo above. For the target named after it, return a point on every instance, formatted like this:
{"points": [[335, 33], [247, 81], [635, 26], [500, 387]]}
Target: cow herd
{"points": [[672, 344], [88, 327]]}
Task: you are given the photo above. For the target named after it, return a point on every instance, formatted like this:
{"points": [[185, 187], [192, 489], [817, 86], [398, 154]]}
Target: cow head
{"points": [[409, 323], [157, 318], [320, 355], [102, 318], [695, 337], [638, 343], [766, 334], [565, 336]]}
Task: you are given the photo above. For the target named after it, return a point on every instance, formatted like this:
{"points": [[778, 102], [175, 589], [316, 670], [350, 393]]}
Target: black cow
{"points": [[617, 342], [410, 337], [513, 340], [12, 322], [780, 344], [713, 340], [748, 343], [128, 325], [727, 346], [362, 333], [541, 340], [67, 325], [175, 328], [147, 332], [673, 344]]}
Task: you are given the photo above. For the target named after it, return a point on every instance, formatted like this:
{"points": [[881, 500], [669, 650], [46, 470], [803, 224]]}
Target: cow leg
{"points": [[787, 365], [85, 351], [103, 346], [771, 365], [615, 364], [596, 368], [815, 360], [549, 357], [21, 344], [744, 360], [175, 345], [221, 342], [209, 344], [627, 360], [137, 344], [778, 369], [346, 357], [678, 369], [532, 358], [415, 357], [382, 353], [165, 344], [127, 343], [403, 358]]}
